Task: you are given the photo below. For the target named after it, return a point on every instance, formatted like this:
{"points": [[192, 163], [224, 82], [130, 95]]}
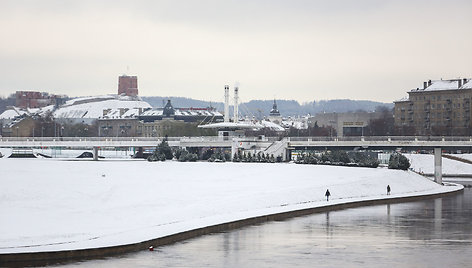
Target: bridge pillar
{"points": [[95, 153], [437, 165], [234, 147]]}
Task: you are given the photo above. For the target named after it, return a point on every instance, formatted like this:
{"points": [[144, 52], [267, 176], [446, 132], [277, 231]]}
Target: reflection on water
{"points": [[432, 233]]}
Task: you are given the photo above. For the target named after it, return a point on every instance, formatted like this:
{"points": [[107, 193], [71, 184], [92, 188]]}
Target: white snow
{"points": [[12, 113], [464, 156], [50, 204], [93, 108], [425, 163], [443, 85], [467, 85]]}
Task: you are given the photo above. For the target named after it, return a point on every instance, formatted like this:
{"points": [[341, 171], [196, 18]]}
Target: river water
{"points": [[430, 233]]}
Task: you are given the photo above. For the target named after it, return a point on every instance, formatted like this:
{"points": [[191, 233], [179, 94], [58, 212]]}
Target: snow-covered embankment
{"points": [[53, 205]]}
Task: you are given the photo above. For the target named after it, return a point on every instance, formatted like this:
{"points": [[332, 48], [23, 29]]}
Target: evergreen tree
{"points": [[398, 161]]}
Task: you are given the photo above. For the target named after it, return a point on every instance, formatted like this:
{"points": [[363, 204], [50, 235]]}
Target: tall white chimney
{"points": [[226, 103], [236, 89]]}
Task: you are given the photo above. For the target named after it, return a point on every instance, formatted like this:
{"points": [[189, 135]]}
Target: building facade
{"points": [[344, 124], [440, 107]]}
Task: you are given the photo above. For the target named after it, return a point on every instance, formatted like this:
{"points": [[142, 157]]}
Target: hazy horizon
{"points": [[295, 50]]}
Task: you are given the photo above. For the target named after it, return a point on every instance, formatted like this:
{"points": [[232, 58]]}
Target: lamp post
{"points": [[17, 132]]}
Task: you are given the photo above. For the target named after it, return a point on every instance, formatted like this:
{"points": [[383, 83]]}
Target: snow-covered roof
{"points": [[403, 99], [233, 125], [122, 114], [467, 85], [94, 107], [271, 125], [451, 84], [12, 113], [183, 112], [443, 85]]}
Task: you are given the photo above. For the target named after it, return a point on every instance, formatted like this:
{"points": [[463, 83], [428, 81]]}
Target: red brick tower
{"points": [[128, 85]]}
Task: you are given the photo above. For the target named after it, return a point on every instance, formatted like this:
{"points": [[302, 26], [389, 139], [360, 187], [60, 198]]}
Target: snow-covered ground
{"points": [[425, 163], [464, 156], [51, 204]]}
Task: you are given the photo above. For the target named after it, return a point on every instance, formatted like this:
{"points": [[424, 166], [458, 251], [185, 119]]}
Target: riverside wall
{"points": [[55, 257]]}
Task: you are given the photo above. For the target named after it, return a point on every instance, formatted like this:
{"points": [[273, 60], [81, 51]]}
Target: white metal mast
{"points": [[236, 89], [226, 103]]}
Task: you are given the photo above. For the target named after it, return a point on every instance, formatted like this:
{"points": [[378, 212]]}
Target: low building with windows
{"points": [[344, 124], [440, 107]]}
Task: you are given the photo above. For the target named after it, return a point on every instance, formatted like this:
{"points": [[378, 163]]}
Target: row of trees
{"points": [[339, 158], [260, 157], [164, 152]]}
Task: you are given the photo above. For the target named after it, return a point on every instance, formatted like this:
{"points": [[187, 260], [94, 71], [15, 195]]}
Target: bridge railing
{"points": [[384, 138], [219, 138]]}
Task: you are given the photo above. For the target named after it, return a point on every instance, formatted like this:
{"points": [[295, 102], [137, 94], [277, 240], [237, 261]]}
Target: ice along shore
{"points": [[55, 209]]}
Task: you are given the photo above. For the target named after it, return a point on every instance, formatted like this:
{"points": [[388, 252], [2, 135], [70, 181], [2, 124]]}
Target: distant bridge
{"points": [[370, 142], [269, 145]]}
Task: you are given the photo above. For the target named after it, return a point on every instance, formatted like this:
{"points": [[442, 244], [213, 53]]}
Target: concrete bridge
{"points": [[269, 145]]}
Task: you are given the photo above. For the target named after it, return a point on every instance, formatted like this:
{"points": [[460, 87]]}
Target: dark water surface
{"points": [[431, 233]]}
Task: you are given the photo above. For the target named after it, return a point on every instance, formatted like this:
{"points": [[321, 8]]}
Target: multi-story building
{"points": [[441, 107], [128, 85]]}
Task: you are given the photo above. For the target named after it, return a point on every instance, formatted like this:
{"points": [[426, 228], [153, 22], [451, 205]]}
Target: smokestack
{"points": [[425, 85], [236, 104], [226, 103]]}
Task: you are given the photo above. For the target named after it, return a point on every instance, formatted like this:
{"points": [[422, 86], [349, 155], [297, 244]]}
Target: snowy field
{"points": [[425, 163], [51, 204]]}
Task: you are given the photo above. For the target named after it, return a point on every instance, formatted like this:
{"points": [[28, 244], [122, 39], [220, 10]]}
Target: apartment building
{"points": [[440, 107]]}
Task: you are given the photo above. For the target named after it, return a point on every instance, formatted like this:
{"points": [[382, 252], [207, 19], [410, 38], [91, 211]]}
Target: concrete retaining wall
{"points": [[47, 258]]}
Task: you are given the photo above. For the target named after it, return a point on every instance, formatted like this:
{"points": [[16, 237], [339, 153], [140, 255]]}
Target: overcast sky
{"points": [[303, 50]]}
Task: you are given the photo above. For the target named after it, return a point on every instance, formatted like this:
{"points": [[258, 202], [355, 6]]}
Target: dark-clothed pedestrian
{"points": [[388, 189], [327, 194]]}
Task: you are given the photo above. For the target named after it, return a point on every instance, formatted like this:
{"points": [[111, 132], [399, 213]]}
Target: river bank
{"points": [[78, 205]]}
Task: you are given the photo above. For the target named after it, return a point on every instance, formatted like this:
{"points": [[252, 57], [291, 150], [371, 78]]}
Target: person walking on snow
{"points": [[388, 189], [327, 194]]}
